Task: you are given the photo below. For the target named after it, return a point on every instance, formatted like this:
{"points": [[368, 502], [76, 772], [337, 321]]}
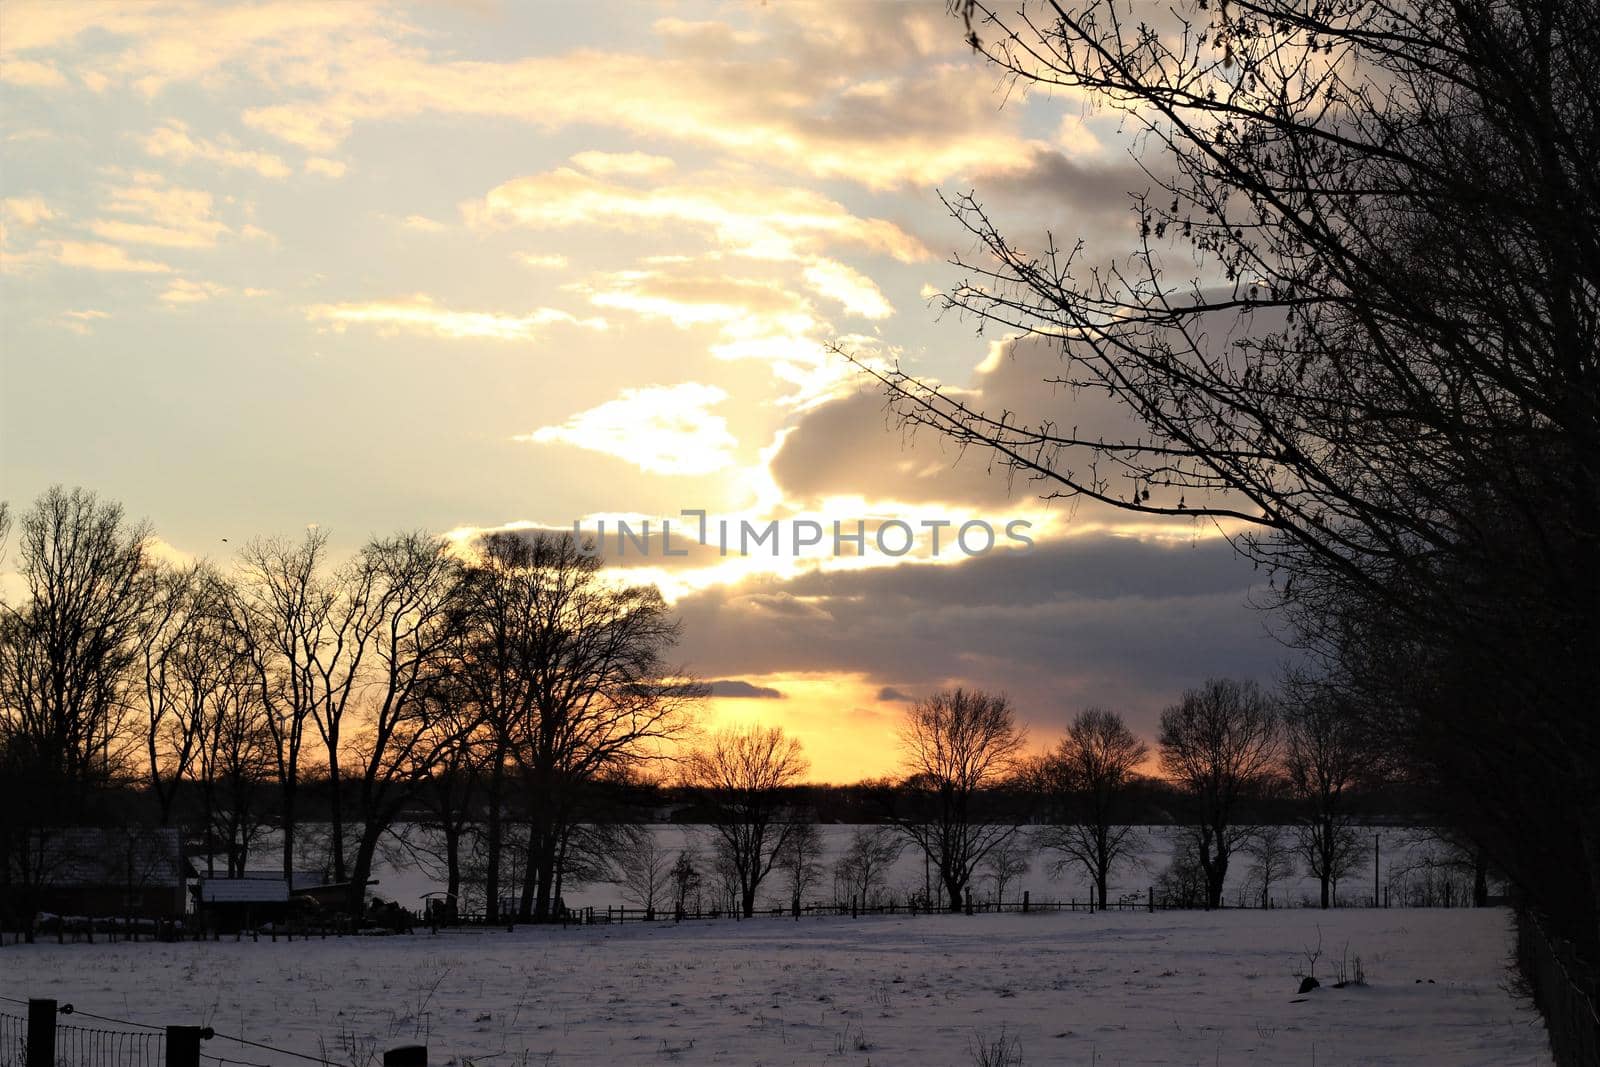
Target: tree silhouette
{"points": [[742, 775], [958, 744]]}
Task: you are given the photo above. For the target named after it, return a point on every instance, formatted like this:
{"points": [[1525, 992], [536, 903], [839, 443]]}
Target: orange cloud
{"points": [[749, 218], [96, 255], [174, 141], [419, 314]]}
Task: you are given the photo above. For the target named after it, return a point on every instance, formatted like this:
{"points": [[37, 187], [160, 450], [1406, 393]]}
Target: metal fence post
{"points": [[41, 1033], [183, 1046]]}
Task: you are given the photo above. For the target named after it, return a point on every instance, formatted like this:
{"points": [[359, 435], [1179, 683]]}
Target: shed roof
{"points": [[83, 857], [243, 891]]}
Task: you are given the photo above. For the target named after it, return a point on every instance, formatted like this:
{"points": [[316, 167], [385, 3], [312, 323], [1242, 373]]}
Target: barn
{"points": [[106, 872]]}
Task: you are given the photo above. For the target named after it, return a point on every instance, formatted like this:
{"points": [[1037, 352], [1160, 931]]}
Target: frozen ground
{"points": [[1104, 989]]}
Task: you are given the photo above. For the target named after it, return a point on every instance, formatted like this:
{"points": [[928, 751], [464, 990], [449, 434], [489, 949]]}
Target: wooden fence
{"points": [[1148, 901], [401, 920]]}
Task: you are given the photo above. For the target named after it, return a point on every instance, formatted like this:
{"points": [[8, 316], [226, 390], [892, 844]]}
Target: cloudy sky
{"points": [[464, 266]]}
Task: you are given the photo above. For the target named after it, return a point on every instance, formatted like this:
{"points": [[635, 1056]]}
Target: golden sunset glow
{"points": [[500, 266]]}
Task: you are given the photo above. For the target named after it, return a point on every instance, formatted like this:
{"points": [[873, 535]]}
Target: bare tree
{"points": [[643, 869], [958, 745], [68, 649], [742, 774], [1007, 862], [454, 786], [67, 653], [1183, 883], [1271, 861], [723, 881], [183, 652], [234, 760], [493, 669], [1325, 753], [410, 585], [1086, 780], [684, 879], [1218, 744], [800, 860], [862, 872], [1358, 325], [306, 636], [568, 668]]}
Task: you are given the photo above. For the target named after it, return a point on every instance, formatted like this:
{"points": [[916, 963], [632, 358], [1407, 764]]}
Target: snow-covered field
{"points": [[1073, 988]]}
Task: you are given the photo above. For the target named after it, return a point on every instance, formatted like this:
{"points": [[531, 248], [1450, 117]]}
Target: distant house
{"points": [[263, 888], [137, 872], [265, 896], [237, 903]]}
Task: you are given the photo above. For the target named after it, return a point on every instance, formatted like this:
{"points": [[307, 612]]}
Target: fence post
{"points": [[1024, 902], [969, 900], [183, 1046], [406, 1056], [1150, 899], [1376, 835], [41, 1033]]}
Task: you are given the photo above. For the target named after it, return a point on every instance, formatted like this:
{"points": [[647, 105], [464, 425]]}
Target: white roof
{"points": [[302, 879], [243, 891]]}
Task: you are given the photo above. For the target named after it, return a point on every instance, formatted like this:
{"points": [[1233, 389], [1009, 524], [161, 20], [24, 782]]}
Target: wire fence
{"points": [[52, 1035], [13, 1038], [45, 1037], [86, 1046], [1565, 991]]}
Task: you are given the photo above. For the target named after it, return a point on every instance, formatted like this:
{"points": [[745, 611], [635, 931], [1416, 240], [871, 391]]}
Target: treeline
{"points": [[410, 675], [1280, 782], [507, 714]]}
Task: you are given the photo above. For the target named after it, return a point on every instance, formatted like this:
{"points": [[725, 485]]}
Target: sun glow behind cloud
{"points": [[848, 731], [599, 272], [660, 429]]}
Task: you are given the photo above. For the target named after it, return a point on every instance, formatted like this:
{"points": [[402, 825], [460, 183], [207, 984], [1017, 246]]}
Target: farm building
{"points": [[265, 896], [135, 872]]}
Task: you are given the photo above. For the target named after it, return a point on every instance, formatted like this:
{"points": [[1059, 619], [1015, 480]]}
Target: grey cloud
{"points": [[1050, 180], [738, 688], [1100, 620], [854, 444]]}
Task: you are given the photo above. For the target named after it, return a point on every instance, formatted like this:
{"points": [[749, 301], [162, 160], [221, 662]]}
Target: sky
{"points": [[482, 265]]}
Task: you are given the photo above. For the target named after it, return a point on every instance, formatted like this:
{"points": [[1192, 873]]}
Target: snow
{"points": [[403, 878], [1070, 988]]}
